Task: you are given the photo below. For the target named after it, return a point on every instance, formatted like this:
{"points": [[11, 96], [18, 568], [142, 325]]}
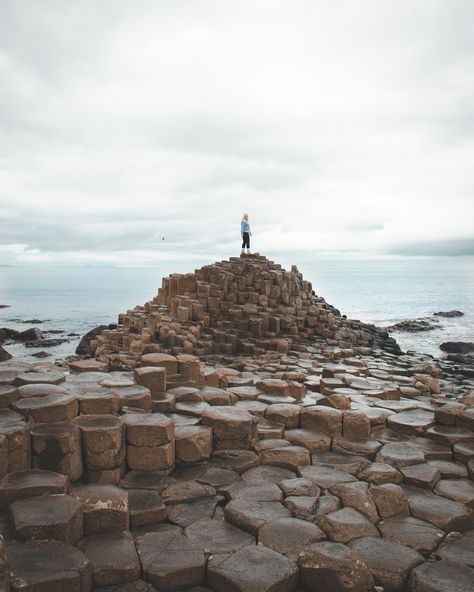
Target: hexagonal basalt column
{"points": [[51, 516], [150, 442], [57, 447], [48, 565], [232, 428], [105, 508], [103, 447]]}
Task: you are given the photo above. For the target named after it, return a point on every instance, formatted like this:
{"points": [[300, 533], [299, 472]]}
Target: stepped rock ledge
{"points": [[237, 434]]}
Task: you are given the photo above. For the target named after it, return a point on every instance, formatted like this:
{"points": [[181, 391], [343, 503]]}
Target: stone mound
{"points": [[247, 305]]}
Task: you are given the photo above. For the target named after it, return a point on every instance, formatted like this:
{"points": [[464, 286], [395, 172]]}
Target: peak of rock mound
{"points": [[246, 305]]}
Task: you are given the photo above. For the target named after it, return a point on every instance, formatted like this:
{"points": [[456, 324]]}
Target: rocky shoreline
{"points": [[238, 433]]}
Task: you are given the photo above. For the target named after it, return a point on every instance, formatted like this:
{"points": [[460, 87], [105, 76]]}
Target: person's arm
{"points": [[242, 228]]}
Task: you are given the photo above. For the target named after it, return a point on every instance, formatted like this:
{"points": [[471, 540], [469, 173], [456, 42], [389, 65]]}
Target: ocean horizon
{"points": [[75, 299]]}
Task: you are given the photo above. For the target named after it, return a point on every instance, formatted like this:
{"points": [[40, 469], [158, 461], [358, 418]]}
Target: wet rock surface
{"points": [[236, 433]]}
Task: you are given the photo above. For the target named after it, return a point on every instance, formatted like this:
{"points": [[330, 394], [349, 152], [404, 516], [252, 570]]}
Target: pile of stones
{"points": [[320, 469], [245, 305]]}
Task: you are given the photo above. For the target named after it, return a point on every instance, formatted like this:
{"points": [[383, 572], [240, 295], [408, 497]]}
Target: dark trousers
{"points": [[246, 240]]}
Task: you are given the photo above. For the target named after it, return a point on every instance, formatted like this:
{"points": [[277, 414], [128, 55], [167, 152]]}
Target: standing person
{"points": [[246, 234]]}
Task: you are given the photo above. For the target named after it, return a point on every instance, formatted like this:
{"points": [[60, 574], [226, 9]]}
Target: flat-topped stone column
{"points": [[103, 447], [15, 448], [150, 442], [57, 447], [232, 428]]}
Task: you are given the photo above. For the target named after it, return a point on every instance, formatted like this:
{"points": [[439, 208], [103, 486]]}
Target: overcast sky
{"points": [[344, 128]]}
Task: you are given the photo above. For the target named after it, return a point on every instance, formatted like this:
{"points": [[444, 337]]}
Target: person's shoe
{"points": [[248, 252], [242, 252]]}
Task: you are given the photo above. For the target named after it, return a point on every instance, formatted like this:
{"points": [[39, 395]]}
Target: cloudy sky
{"points": [[138, 132]]}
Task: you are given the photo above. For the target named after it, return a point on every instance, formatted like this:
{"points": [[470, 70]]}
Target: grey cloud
{"points": [[451, 248], [336, 128]]}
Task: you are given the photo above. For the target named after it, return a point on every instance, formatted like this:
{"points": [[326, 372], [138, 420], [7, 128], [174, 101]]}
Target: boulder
{"points": [[457, 347]]}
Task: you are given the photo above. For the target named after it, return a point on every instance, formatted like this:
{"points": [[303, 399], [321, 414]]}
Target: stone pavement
{"points": [[330, 464]]}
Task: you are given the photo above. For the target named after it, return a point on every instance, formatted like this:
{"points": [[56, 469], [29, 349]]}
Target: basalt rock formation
{"points": [[246, 305], [323, 465]]}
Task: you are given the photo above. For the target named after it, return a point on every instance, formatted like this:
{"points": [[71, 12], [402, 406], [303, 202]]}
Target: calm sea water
{"points": [[77, 299]]}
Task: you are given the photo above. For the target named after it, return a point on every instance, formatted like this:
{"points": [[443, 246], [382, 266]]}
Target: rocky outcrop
{"points": [[314, 467], [449, 314], [83, 349], [413, 326], [4, 355], [247, 305], [457, 347]]}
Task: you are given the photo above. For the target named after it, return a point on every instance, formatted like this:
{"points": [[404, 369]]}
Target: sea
{"points": [[74, 300]]}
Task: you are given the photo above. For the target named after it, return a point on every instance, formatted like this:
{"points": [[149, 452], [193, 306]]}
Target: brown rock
{"points": [[344, 525], [289, 536], [216, 536], [24, 484], [232, 428], [151, 458], [152, 378], [48, 409], [335, 567], [322, 419], [250, 515], [390, 500], [412, 532], [52, 516], [252, 569], [48, 565], [193, 443], [459, 490], [389, 561], [313, 441], [88, 366], [146, 507], [325, 477], [356, 495], [399, 454], [355, 425], [103, 439], [57, 447], [105, 508], [288, 415], [135, 397], [441, 576], [170, 561], [169, 363], [440, 511], [380, 473], [113, 558], [423, 475], [153, 429], [287, 457]]}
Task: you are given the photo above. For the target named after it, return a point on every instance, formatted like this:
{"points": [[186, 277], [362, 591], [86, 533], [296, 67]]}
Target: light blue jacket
{"points": [[244, 227]]}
